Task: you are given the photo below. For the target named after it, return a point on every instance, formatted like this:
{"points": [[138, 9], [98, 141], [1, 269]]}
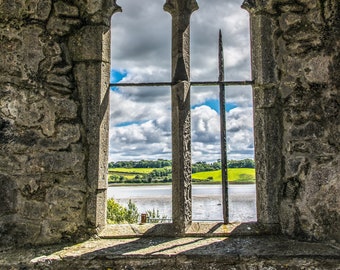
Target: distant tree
{"points": [[243, 163], [163, 164], [114, 178]]}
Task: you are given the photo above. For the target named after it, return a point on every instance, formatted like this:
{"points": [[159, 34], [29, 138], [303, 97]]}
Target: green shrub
{"points": [[117, 213], [132, 213]]}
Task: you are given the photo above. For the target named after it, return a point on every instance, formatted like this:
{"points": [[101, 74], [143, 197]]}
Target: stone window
{"points": [[267, 212], [54, 116]]}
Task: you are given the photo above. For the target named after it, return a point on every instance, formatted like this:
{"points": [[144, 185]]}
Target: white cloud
{"points": [[205, 125], [240, 133], [141, 116]]}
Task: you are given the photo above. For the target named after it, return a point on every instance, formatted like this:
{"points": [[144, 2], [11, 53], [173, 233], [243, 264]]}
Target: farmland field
{"points": [[131, 170], [235, 175], [239, 175], [130, 173]]}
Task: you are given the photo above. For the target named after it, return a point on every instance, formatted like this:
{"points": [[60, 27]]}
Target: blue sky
{"points": [[117, 75], [140, 52]]}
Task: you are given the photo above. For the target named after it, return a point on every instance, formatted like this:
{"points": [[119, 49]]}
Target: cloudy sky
{"points": [[141, 52]]}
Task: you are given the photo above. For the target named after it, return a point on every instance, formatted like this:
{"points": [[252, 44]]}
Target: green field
{"points": [[130, 173], [131, 170], [235, 175]]}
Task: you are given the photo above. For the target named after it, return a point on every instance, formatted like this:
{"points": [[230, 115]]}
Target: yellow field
{"points": [[131, 170], [239, 175]]}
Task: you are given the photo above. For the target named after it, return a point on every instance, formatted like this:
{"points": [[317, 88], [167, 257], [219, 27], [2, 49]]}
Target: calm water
{"points": [[207, 200]]}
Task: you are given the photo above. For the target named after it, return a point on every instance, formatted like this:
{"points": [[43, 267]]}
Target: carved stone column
{"points": [[180, 11]]}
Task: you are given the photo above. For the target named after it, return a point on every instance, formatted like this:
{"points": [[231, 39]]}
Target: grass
{"points": [[131, 170], [235, 176], [130, 173]]}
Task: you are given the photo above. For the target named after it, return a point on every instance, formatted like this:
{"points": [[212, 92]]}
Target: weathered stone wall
{"points": [[296, 57], [54, 74], [54, 67], [307, 51]]}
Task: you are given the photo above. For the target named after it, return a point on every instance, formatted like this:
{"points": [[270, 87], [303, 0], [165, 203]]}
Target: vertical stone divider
{"points": [[181, 11], [90, 50], [267, 116]]}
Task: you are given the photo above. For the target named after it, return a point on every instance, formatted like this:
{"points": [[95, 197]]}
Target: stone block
{"points": [[296, 166], [309, 130], [57, 162], [8, 198], [38, 9], [33, 140], [10, 57], [6, 131], [33, 210], [319, 204], [61, 9], [316, 69], [65, 109], [20, 9], [21, 231], [11, 9], [64, 20], [62, 26], [62, 229], [66, 204], [21, 51], [32, 110], [287, 20], [99, 11], [60, 80], [74, 181], [90, 43]]}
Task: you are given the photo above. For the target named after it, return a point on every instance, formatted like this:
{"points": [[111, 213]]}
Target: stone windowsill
{"points": [[201, 229], [191, 252]]}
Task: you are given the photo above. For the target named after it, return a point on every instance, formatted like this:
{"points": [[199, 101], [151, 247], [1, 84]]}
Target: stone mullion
{"points": [[181, 120], [267, 115], [181, 156]]}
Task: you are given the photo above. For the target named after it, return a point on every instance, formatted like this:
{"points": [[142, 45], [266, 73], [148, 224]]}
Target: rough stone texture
{"points": [[296, 71], [48, 194], [54, 68], [237, 253], [307, 42]]}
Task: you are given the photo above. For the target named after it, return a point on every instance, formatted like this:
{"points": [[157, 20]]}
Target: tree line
{"points": [[200, 166], [159, 163]]}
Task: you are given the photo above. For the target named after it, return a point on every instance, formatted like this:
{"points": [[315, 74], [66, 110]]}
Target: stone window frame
{"points": [[267, 130]]}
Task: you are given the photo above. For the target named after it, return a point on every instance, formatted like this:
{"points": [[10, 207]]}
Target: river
{"points": [[207, 200]]}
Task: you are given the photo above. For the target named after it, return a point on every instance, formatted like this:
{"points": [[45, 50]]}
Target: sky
{"points": [[140, 117]]}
